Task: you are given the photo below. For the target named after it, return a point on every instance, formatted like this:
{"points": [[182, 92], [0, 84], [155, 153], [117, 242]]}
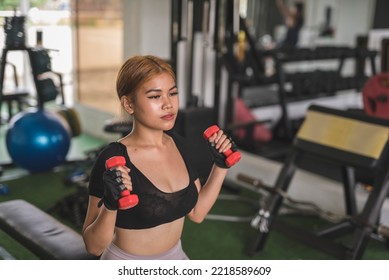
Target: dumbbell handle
{"points": [[231, 156], [127, 199]]}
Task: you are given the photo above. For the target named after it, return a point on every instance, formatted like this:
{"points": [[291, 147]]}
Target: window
{"points": [[99, 47]]}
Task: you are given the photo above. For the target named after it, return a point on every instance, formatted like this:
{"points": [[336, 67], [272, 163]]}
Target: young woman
{"points": [[158, 170]]}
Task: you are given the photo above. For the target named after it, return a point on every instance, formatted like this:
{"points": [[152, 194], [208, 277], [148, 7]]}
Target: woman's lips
{"points": [[168, 117]]}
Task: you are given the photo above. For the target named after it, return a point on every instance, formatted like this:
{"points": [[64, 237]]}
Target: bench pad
{"points": [[41, 233]]}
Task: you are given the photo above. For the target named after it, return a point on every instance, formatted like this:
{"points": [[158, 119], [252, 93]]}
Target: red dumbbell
{"points": [[231, 156], [127, 199]]}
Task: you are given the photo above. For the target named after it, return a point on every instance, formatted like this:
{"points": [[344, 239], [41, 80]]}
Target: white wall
{"points": [[349, 18], [355, 18], [147, 31], [146, 27]]}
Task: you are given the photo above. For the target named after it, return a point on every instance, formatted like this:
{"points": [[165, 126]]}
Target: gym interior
{"points": [[311, 122]]}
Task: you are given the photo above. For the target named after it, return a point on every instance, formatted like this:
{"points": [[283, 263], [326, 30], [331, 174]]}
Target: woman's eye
{"points": [[154, 96], [174, 93]]}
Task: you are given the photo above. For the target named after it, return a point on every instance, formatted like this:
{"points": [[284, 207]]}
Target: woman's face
{"points": [[156, 103]]}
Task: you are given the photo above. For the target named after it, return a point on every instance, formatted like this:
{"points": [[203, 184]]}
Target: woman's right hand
{"points": [[116, 180]]}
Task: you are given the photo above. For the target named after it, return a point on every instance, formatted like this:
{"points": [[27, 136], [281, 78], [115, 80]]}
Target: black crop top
{"points": [[155, 207]]}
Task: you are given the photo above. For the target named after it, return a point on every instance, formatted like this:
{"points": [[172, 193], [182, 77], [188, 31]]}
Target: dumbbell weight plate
{"points": [[376, 96]]}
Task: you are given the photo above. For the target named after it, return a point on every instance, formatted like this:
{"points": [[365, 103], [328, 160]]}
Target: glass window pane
{"points": [[100, 48]]}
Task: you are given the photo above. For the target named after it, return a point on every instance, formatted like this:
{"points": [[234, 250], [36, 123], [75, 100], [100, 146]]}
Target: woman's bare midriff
{"points": [[150, 241]]}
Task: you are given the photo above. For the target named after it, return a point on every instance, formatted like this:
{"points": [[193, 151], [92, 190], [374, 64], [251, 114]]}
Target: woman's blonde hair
{"points": [[137, 70]]}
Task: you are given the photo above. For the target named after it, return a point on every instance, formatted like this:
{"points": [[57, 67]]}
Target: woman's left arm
{"points": [[209, 192]]}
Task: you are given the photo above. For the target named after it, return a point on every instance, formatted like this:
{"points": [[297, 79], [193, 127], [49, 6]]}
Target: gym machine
{"points": [[355, 142], [245, 64], [46, 88], [41, 233], [318, 83], [15, 40]]}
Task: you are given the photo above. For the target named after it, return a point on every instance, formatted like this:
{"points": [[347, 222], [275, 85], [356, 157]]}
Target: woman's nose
{"points": [[167, 104]]}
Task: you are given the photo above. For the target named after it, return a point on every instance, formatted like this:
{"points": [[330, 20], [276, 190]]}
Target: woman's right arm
{"points": [[99, 227], [104, 191]]}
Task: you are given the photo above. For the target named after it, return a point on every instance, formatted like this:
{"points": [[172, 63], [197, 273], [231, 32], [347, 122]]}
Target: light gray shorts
{"points": [[113, 252]]}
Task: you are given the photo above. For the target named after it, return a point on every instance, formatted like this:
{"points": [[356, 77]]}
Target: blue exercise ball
{"points": [[37, 140]]}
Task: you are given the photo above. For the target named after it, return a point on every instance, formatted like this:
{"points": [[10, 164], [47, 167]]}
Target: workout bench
{"points": [[40, 233], [356, 143]]}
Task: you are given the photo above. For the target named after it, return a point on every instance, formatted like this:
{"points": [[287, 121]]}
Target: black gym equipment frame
{"points": [[40, 64], [353, 141]]}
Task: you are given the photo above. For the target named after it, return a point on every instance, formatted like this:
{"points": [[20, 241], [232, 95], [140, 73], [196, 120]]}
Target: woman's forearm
{"points": [[99, 234], [208, 194]]}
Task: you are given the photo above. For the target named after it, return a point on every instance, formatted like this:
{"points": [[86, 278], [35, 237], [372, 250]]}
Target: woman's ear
{"points": [[127, 104]]}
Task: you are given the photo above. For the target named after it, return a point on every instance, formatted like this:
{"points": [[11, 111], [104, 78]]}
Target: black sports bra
{"points": [[155, 207]]}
